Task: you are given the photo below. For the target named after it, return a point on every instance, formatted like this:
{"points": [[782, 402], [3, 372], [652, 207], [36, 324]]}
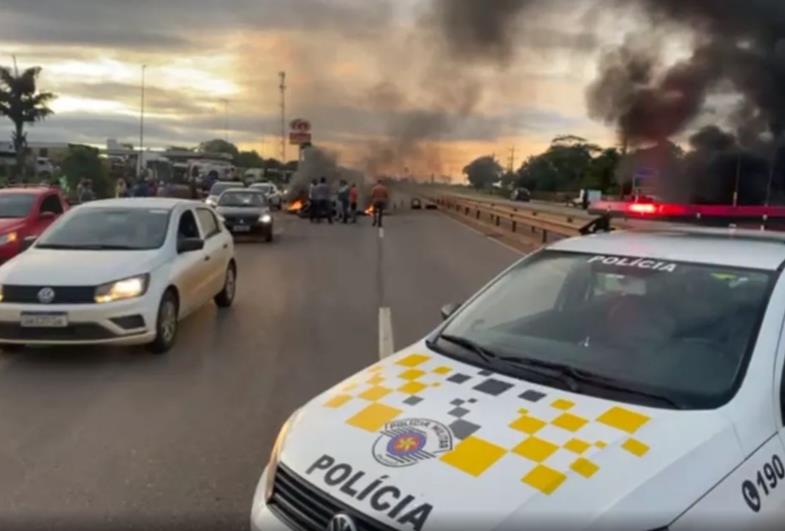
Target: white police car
{"points": [[627, 380]]}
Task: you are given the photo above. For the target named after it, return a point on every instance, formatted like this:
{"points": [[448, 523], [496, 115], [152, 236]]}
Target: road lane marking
{"points": [[485, 236], [381, 232], [386, 347]]}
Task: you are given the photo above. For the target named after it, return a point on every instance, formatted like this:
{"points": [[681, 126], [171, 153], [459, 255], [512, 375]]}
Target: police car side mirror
{"points": [[449, 309]]}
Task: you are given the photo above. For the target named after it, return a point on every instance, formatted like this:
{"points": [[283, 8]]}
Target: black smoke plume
{"points": [[738, 49]]}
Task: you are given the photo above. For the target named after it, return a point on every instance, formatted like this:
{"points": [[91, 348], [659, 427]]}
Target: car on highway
{"points": [[246, 211], [274, 196], [118, 271], [25, 212], [220, 187], [619, 380], [521, 194]]}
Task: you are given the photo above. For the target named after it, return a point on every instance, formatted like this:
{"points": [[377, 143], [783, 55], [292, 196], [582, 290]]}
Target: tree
{"points": [[483, 172], [219, 145], [83, 162], [601, 173], [22, 103], [249, 159]]}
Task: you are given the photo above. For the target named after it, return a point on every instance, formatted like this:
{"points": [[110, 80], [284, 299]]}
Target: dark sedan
{"points": [[246, 211]]}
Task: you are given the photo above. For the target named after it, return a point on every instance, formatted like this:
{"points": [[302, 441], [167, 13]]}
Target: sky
{"points": [[371, 76]]}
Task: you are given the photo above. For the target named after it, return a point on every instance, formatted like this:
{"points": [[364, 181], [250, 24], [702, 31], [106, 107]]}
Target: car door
{"points": [[190, 269], [215, 250]]}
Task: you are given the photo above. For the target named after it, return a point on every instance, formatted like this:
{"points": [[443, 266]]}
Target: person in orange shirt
{"points": [[379, 198], [353, 196]]}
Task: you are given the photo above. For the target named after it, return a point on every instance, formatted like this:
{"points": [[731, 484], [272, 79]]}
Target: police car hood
{"points": [[421, 441]]}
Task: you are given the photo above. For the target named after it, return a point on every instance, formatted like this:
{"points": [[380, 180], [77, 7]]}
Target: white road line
{"points": [[381, 232], [386, 347], [494, 240]]}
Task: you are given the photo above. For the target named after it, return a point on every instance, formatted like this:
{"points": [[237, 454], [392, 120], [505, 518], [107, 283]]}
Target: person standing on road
{"points": [[313, 207], [322, 200], [379, 198], [121, 188], [87, 194], [353, 196], [343, 199]]}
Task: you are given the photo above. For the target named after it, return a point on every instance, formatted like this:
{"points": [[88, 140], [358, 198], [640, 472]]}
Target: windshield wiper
{"points": [[576, 377], [483, 353], [491, 358]]}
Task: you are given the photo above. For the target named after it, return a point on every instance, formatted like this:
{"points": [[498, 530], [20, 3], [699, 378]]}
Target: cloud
{"points": [[168, 25]]}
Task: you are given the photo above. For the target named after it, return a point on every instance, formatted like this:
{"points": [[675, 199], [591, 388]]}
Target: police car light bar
{"points": [[716, 215]]}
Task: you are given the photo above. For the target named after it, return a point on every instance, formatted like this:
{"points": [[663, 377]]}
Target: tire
{"points": [[268, 236], [226, 297], [166, 324]]}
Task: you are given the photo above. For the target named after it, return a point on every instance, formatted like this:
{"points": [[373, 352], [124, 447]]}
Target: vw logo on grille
{"points": [[46, 295], [341, 522]]}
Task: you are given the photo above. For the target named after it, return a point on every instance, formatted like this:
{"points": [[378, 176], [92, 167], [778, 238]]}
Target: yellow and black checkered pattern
{"points": [[550, 441]]}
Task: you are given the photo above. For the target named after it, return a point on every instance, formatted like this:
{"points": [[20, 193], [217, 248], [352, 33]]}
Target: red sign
{"points": [[300, 126], [298, 139]]}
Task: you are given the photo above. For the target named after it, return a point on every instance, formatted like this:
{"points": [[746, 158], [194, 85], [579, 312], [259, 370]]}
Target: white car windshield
{"points": [[133, 229], [643, 330], [242, 199]]}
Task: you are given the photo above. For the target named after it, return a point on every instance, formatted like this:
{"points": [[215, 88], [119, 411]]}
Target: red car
{"points": [[24, 214]]}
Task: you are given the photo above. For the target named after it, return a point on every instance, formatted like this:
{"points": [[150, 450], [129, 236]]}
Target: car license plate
{"points": [[242, 228], [44, 320]]}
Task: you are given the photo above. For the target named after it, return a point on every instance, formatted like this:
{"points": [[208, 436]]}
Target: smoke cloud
{"points": [[464, 37], [738, 48]]}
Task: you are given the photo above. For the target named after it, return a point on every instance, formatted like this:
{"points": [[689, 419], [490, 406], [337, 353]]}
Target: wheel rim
{"points": [[168, 321], [230, 284]]}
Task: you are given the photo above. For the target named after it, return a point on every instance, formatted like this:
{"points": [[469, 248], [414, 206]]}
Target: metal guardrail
{"points": [[546, 226]]}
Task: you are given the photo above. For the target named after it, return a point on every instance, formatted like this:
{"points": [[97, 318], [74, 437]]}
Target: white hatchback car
{"points": [[120, 271]]}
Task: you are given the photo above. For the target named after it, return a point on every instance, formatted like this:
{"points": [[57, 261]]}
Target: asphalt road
{"points": [[118, 438]]}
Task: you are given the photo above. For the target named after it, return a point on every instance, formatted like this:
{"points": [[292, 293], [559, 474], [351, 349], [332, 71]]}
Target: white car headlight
{"points": [[265, 218], [275, 455], [128, 288], [9, 237]]}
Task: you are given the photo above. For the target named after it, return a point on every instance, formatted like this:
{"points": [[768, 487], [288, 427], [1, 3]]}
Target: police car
{"points": [[619, 380]]}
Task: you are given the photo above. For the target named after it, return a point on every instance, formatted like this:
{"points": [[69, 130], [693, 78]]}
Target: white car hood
{"points": [[76, 268], [537, 455]]}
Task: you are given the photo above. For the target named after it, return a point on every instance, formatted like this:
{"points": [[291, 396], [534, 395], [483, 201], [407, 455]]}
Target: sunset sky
{"points": [[355, 68]]}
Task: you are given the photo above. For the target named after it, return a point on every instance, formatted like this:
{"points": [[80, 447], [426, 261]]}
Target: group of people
{"points": [[144, 187], [321, 205]]}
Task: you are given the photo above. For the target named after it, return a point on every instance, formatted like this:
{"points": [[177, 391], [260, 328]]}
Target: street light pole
{"points": [[140, 162]]}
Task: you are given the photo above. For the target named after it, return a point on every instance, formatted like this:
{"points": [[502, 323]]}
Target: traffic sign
{"points": [[300, 126]]}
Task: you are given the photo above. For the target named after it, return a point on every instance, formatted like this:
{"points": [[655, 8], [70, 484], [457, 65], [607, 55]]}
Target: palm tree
{"points": [[22, 103]]}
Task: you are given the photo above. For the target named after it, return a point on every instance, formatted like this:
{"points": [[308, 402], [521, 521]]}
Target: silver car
{"points": [[271, 192], [246, 211]]}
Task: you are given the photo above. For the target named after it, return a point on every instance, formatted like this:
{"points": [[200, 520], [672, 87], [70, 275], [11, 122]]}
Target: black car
{"points": [[245, 211], [521, 194]]}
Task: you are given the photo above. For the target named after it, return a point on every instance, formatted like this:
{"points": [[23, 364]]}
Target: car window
{"points": [[220, 187], [251, 198], [105, 228], [51, 203], [16, 205], [208, 223], [651, 325], [186, 227]]}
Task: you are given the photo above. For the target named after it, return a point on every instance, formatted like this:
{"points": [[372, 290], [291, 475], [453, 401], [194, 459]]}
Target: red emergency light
{"points": [[716, 215]]}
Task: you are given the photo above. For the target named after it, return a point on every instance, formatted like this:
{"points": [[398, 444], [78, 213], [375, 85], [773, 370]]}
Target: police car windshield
{"points": [[678, 331]]}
